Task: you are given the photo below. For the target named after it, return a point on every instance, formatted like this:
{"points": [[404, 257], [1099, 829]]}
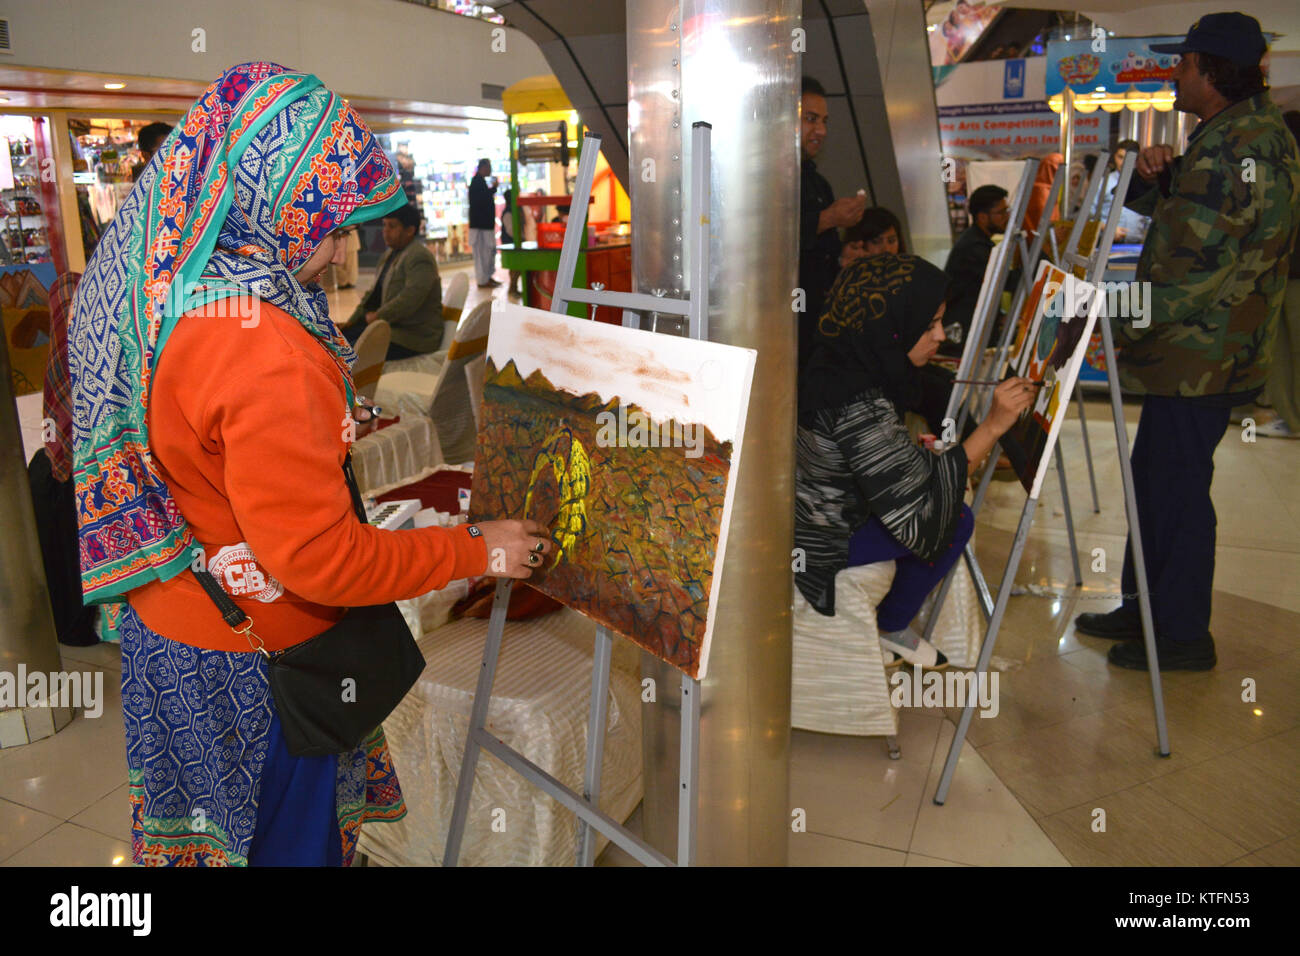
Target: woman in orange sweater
{"points": [[213, 411], [1042, 188]]}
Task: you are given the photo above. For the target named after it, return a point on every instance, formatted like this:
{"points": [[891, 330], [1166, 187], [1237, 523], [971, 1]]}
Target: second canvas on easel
{"points": [[625, 444], [1051, 337]]}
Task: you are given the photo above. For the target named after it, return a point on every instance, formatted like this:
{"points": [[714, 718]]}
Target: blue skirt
{"points": [[212, 782]]}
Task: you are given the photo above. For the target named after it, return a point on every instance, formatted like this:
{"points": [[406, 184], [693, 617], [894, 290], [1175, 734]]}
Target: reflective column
{"points": [[732, 64]]}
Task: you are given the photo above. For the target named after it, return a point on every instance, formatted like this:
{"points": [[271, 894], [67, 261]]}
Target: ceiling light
{"points": [[114, 86]]}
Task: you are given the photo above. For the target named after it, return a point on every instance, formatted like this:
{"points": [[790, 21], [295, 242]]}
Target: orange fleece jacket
{"points": [[247, 427]]}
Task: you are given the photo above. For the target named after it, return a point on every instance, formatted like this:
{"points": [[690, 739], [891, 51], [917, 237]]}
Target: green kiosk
{"points": [[544, 129]]}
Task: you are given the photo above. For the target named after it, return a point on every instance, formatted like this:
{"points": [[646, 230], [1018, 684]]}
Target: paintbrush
{"points": [[980, 381]]}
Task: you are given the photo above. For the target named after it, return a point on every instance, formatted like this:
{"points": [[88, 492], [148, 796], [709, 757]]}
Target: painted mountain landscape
{"points": [[624, 444]]}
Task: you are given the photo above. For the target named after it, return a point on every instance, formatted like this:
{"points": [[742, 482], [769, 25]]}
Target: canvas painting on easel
{"points": [[1063, 313], [625, 444], [1046, 284]]}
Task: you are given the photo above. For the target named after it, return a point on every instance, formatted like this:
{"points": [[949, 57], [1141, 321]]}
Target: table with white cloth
{"points": [[539, 708], [399, 453]]}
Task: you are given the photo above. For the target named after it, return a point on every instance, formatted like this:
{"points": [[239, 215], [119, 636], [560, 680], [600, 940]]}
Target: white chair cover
{"points": [[371, 349], [839, 680], [456, 293], [475, 376], [451, 410]]}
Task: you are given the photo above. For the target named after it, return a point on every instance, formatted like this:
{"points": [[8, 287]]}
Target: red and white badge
{"points": [[241, 576]]}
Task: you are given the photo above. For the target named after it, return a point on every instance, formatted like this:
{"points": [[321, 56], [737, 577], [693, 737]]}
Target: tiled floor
{"points": [[1072, 748], [1076, 735]]}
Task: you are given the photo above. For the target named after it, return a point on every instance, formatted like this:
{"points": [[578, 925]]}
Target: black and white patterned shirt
{"points": [[856, 460]]}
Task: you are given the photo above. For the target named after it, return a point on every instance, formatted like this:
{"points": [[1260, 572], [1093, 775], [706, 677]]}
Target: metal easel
{"points": [[586, 805], [1094, 265], [961, 396], [959, 402]]}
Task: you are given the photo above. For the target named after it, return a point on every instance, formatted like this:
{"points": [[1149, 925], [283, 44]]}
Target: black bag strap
{"points": [[230, 611]]}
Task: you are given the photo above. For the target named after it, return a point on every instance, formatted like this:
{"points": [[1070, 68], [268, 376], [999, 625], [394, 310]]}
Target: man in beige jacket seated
{"points": [[407, 293]]}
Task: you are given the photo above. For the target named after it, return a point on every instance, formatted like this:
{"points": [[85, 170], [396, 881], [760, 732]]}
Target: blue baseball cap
{"points": [[1233, 36]]}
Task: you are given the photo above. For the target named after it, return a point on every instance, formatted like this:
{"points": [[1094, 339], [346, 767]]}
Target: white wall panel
{"points": [[377, 48]]}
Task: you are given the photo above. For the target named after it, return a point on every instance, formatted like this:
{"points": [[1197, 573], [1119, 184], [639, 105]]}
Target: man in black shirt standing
{"points": [[482, 225], [970, 255], [820, 217]]}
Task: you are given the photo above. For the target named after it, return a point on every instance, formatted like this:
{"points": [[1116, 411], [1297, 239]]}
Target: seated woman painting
{"points": [[864, 491]]}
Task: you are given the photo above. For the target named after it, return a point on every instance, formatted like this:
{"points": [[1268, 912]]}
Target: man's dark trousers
{"points": [[1173, 464]]}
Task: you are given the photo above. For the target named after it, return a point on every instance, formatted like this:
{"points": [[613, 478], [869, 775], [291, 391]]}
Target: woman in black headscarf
{"points": [[864, 491]]}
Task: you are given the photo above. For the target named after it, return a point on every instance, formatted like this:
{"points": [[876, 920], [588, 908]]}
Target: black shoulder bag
{"points": [[332, 690]]}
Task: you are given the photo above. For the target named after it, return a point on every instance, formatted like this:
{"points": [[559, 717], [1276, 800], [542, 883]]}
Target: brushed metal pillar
{"points": [[902, 52], [730, 63], [26, 623], [1128, 125]]}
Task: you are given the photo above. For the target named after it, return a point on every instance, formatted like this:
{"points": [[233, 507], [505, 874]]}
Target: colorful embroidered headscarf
{"points": [[265, 164], [878, 308]]}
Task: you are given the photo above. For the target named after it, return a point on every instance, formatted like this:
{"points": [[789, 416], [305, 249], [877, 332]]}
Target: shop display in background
{"points": [[22, 217], [465, 8], [104, 155], [436, 167]]}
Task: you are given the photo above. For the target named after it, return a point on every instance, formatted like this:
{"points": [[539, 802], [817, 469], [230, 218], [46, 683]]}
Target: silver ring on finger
{"points": [[540, 546], [534, 559]]}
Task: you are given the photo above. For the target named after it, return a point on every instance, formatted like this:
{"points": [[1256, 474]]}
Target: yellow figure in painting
{"points": [[572, 474]]}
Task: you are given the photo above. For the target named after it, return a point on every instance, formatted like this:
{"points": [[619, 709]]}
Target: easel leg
{"points": [[938, 603], [981, 586], [688, 792], [477, 722], [1069, 516], [596, 722], [986, 479], [976, 573], [1135, 540], [986, 650], [1087, 449], [981, 591]]}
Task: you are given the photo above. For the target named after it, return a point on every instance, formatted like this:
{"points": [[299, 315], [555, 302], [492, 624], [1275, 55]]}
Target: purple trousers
{"points": [[913, 578]]}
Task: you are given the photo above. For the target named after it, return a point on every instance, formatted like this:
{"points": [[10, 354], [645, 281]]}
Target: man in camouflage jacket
{"points": [[1216, 256]]}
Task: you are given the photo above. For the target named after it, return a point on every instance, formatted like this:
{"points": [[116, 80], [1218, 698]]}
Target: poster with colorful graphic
{"points": [[626, 445], [1114, 64], [25, 308], [954, 28]]}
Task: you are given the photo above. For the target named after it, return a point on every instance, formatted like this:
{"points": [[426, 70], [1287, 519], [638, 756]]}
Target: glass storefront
{"points": [[436, 167], [26, 227], [105, 157]]}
